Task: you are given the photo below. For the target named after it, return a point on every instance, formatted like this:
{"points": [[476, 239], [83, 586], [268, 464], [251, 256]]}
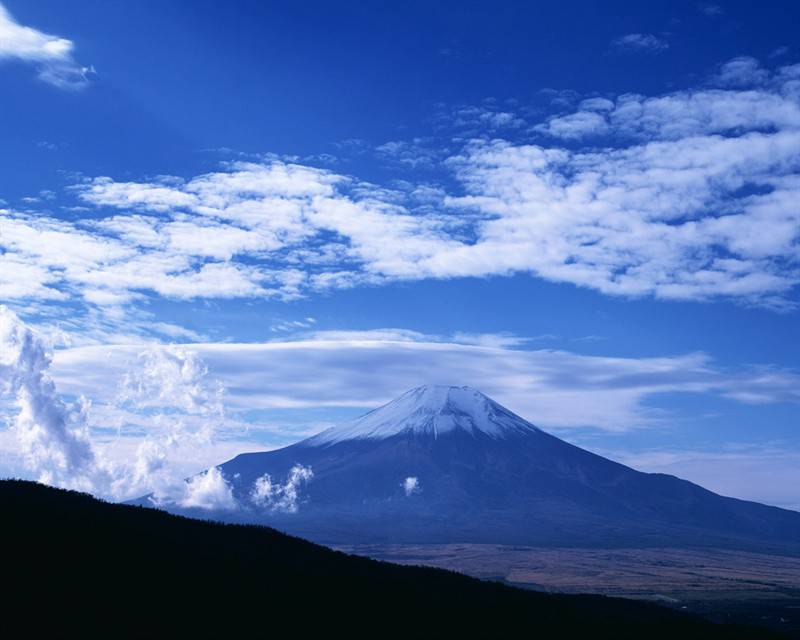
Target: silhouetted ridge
{"points": [[78, 567]]}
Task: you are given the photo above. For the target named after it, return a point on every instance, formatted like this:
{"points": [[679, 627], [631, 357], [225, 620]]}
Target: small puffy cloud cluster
{"points": [[209, 491], [413, 154], [742, 97], [51, 55], [411, 486], [274, 496], [485, 117]]}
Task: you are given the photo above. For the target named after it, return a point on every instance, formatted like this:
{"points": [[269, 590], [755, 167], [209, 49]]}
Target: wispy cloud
{"points": [[413, 154], [710, 9], [292, 325], [51, 55], [645, 42], [740, 72]]}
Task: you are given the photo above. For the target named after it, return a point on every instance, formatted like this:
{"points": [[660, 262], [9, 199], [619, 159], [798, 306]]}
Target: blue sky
{"points": [[588, 211]]}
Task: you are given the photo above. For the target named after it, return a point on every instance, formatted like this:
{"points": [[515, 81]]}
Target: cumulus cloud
{"points": [[575, 126], [743, 71], [53, 436], [166, 400], [209, 491], [52, 55], [267, 494], [166, 393], [411, 486], [174, 377]]}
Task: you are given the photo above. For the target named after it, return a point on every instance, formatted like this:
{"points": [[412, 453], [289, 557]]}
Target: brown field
{"points": [[720, 584]]}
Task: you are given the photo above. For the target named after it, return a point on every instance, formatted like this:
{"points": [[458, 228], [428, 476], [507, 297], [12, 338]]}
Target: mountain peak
{"points": [[431, 410]]}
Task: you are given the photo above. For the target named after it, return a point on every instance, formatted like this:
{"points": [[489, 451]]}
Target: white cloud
{"points": [[172, 376], [693, 199], [293, 325], [208, 491], [575, 125], [274, 496], [52, 55], [710, 9], [668, 218], [553, 389], [596, 104], [646, 42], [416, 153], [743, 71], [163, 396], [497, 340], [484, 118], [166, 398], [411, 486], [53, 436]]}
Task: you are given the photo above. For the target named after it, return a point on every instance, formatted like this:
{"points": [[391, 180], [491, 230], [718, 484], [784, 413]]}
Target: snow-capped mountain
{"points": [[430, 411], [448, 464]]}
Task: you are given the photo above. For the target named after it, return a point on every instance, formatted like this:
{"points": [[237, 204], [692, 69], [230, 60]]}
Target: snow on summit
{"points": [[430, 410]]}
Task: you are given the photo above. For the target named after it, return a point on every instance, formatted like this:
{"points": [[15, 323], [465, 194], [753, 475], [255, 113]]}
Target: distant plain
{"points": [[720, 584]]}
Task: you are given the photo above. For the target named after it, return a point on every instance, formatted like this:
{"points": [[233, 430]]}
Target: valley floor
{"points": [[724, 585]]}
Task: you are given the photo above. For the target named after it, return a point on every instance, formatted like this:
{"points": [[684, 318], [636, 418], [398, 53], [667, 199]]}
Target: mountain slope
{"points": [[78, 567], [448, 464]]}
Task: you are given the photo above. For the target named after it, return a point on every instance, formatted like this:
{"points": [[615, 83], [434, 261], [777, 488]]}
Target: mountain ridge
{"points": [[487, 476]]}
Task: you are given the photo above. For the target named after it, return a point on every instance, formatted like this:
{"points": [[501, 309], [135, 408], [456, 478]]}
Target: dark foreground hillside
{"points": [[75, 566]]}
